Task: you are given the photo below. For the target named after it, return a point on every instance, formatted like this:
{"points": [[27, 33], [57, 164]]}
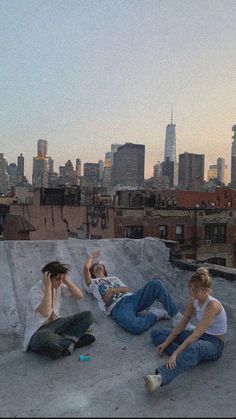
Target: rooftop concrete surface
{"points": [[111, 383]]}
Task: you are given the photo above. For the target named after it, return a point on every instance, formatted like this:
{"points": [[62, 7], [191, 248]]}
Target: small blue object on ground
{"points": [[85, 357]]}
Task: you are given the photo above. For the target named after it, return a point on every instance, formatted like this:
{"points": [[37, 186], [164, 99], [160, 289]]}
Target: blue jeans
{"points": [[126, 312], [207, 348]]}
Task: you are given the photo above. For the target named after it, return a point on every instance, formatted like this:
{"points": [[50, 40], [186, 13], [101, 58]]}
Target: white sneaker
{"points": [[152, 382], [177, 318], [160, 313]]}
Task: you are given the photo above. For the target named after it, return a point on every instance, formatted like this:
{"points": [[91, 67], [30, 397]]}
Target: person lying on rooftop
{"points": [[124, 307]]}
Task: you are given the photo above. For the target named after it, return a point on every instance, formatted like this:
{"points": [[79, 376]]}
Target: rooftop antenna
{"points": [[171, 114]]}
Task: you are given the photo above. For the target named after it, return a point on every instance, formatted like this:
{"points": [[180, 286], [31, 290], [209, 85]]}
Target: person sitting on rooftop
{"points": [[187, 348], [125, 308], [46, 332]]}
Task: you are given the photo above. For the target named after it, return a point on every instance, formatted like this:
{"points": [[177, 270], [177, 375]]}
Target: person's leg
{"points": [[125, 316], [62, 335], [160, 335], [72, 327], [47, 342], [154, 291], [201, 350]]}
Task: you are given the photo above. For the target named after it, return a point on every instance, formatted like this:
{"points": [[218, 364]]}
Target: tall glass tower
{"points": [[233, 158], [170, 147], [170, 142]]}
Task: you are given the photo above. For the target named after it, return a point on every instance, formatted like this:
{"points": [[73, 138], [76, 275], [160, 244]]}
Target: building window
{"points": [[163, 232], [217, 261], [179, 233], [134, 232], [215, 233]]}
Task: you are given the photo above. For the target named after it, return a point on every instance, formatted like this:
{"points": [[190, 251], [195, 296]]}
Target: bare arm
{"points": [[45, 308], [75, 291], [210, 312], [188, 314], [87, 266]]}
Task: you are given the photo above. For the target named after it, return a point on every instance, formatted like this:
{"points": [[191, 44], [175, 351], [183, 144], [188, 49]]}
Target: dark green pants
{"points": [[61, 334]]}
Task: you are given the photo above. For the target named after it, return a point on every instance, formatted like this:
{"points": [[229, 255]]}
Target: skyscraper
{"points": [[128, 165], [167, 170], [40, 165], [170, 147], [220, 167], [40, 173], [114, 148], [91, 174], [212, 172], [78, 167], [4, 177], [191, 171], [20, 166], [233, 158], [42, 148], [170, 142]]}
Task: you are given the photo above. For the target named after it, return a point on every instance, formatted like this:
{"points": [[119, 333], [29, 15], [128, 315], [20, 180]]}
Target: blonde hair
{"points": [[201, 279]]}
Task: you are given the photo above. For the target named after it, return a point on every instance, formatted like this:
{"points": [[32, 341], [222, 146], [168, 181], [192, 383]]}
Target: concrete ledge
{"points": [[215, 270]]}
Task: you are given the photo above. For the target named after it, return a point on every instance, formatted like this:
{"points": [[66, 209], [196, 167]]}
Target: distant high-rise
{"points": [[233, 158], [167, 169], [191, 171], [157, 171], [107, 161], [20, 166], [128, 165], [40, 173], [69, 172], [50, 165], [40, 165], [220, 168], [170, 142], [4, 177], [91, 174], [114, 148], [78, 167], [212, 172], [42, 148], [12, 171], [170, 147], [101, 169]]}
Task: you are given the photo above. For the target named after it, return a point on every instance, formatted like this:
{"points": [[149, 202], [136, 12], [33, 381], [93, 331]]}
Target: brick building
{"points": [[223, 197], [205, 235], [57, 214]]}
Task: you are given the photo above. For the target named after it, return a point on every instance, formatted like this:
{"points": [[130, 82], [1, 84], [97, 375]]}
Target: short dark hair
{"points": [[56, 268], [91, 269]]}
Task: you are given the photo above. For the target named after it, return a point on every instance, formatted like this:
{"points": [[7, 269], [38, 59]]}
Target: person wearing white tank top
{"points": [[187, 348]]}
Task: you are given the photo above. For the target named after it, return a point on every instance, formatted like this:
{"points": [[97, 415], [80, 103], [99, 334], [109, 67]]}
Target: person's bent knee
{"points": [[135, 329], [158, 283], [160, 335], [86, 315], [42, 339]]}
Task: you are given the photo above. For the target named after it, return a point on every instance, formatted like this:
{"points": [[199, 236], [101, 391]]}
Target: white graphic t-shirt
{"points": [[99, 286]]}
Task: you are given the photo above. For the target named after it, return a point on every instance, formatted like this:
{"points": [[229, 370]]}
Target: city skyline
{"points": [[83, 75], [75, 158]]}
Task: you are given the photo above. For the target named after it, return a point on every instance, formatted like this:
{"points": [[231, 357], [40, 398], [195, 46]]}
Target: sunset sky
{"points": [[83, 74]]}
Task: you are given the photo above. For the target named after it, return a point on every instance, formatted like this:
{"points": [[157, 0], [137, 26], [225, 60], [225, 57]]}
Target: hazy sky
{"points": [[85, 74]]}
